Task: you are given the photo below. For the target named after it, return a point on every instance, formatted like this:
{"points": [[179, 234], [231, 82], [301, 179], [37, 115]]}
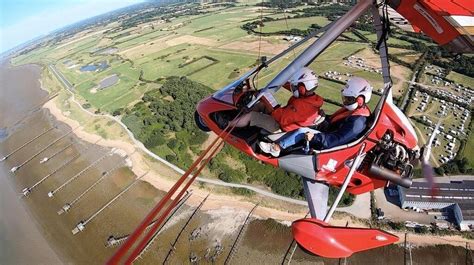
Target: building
{"points": [[456, 197]]}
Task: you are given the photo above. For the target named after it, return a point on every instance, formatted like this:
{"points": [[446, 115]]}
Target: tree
{"points": [[117, 112], [173, 143]]}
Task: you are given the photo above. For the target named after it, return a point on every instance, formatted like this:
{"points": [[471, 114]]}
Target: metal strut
{"points": [[123, 250], [308, 55], [314, 50], [313, 34], [355, 164]]}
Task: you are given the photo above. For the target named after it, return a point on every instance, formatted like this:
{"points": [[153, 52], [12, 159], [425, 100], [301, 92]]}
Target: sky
{"points": [[23, 20]]}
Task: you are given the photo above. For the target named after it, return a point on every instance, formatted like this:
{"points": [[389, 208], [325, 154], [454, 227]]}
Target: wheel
{"points": [[200, 123]]}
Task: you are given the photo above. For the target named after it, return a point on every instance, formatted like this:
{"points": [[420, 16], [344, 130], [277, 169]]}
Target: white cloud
{"points": [[47, 21]]}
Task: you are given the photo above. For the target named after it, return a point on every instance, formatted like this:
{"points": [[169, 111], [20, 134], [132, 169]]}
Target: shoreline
{"points": [[160, 182], [217, 201]]}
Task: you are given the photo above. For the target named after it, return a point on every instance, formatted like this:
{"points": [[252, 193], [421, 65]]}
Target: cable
{"points": [[255, 85], [288, 29]]}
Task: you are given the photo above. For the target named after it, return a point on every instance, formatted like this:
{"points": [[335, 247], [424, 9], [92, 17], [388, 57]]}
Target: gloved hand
{"points": [[320, 118], [308, 136]]}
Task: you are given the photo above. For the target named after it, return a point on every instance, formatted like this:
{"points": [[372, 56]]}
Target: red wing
{"points": [[449, 22]]}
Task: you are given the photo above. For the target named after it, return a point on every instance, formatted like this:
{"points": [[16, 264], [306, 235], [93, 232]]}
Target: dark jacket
{"points": [[340, 132], [343, 127]]}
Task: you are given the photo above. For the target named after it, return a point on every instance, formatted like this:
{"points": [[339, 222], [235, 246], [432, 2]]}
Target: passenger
{"points": [[301, 110], [342, 127]]}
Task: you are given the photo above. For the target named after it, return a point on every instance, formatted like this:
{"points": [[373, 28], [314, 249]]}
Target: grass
{"points": [[461, 79], [211, 73], [415, 39], [36, 56], [373, 38], [408, 56], [221, 26], [128, 98], [296, 23], [138, 38], [468, 151], [351, 35], [332, 60], [85, 81]]}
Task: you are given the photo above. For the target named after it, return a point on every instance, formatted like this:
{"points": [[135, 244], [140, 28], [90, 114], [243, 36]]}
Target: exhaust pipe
{"points": [[385, 174]]}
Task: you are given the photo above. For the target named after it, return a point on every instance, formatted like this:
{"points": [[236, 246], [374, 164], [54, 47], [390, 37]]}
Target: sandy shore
{"points": [[157, 178], [159, 181]]}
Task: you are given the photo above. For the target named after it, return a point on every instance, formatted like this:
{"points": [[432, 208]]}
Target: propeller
{"points": [[427, 169]]}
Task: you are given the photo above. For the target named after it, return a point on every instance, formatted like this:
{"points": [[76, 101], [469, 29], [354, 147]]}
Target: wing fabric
{"points": [[448, 22]]}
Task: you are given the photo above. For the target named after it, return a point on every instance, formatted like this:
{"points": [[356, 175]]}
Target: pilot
{"points": [[342, 127], [301, 110]]}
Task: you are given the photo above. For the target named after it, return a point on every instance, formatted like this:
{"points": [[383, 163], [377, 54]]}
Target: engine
{"points": [[391, 161]]}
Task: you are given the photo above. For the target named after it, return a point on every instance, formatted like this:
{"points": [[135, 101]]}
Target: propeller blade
{"points": [[427, 169], [428, 174]]}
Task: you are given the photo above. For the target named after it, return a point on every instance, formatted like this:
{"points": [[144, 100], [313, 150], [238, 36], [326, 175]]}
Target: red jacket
{"points": [[344, 113], [299, 112]]}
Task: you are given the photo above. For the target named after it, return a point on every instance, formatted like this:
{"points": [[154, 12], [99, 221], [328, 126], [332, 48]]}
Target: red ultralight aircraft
{"points": [[384, 153]]}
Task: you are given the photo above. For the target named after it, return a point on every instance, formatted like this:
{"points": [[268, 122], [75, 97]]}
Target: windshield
{"points": [[226, 93]]}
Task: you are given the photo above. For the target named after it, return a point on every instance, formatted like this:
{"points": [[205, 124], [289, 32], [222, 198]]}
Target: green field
{"points": [[214, 73], [461, 79], [136, 39], [373, 38], [297, 23], [469, 151]]}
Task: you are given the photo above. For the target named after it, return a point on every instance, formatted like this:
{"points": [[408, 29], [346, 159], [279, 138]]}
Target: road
{"points": [[355, 210], [406, 98]]}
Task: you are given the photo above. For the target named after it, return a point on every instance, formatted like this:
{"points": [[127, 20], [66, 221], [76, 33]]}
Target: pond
{"points": [[94, 67], [108, 81]]}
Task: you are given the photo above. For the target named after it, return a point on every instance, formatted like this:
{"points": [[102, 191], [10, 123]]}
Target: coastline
{"points": [[161, 182]]}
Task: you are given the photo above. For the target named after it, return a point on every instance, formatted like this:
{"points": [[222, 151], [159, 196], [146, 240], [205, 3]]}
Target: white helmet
{"points": [[356, 87], [305, 76]]}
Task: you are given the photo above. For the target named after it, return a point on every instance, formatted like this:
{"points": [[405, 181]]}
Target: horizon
{"points": [[25, 20]]}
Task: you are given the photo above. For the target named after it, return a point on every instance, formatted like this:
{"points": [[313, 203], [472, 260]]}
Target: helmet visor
{"points": [[348, 100]]}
